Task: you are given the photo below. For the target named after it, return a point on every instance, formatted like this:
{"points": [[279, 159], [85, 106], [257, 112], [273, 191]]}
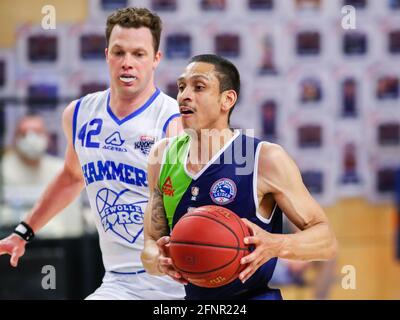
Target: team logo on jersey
{"points": [[195, 193], [123, 219], [144, 144], [167, 188], [223, 191], [115, 142]]}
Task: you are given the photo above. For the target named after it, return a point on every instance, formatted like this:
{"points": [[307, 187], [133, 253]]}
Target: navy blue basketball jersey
{"points": [[229, 179]]}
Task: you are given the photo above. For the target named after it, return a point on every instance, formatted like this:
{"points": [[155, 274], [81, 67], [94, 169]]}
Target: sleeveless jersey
{"points": [[229, 180], [113, 155]]}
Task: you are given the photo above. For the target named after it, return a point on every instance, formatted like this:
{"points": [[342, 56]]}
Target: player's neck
{"points": [[124, 105], [206, 144]]}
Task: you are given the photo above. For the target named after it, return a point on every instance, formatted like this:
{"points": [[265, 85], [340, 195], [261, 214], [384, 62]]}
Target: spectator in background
{"points": [[349, 98], [311, 90], [349, 164], [267, 59], [26, 170]]}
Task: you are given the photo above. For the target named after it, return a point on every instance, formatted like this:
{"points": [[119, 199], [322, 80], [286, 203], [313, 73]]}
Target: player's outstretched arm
{"points": [[280, 176], [154, 256], [65, 187]]}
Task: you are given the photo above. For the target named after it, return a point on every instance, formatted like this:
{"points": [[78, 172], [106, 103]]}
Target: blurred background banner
{"points": [[325, 89]]}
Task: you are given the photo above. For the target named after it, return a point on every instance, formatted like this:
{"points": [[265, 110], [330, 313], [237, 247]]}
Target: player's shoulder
{"points": [[98, 96], [156, 158], [168, 99], [159, 148], [168, 102], [92, 100], [276, 165], [95, 94], [272, 155], [69, 111]]}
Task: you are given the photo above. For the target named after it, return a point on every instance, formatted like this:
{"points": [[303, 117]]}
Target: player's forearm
{"points": [[318, 242], [149, 257], [58, 195]]}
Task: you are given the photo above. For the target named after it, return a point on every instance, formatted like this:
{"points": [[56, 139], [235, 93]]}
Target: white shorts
{"points": [[140, 286]]}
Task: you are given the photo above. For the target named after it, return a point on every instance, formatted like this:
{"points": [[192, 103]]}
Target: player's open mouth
{"points": [[127, 78], [186, 111]]}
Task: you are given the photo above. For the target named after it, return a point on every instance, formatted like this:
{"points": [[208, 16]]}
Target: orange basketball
{"points": [[207, 245]]}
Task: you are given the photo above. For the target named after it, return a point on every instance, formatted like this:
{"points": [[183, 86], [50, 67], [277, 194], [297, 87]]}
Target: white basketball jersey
{"points": [[113, 154]]}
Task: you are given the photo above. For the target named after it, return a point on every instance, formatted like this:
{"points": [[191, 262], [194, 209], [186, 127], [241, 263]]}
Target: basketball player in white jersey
{"points": [[110, 134]]}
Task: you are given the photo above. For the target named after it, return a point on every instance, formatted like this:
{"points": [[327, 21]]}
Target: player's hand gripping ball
{"points": [[206, 246]]}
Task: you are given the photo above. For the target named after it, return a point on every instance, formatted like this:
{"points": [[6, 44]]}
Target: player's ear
{"points": [[157, 59], [229, 98], [106, 53]]}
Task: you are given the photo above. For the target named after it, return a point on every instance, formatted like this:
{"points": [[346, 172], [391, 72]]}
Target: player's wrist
{"points": [[24, 231], [283, 246]]}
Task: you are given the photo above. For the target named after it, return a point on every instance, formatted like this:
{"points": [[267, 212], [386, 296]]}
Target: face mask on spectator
{"points": [[32, 145]]}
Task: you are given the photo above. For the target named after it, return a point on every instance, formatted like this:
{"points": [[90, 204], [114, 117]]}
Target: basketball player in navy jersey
{"points": [[181, 178], [110, 134]]}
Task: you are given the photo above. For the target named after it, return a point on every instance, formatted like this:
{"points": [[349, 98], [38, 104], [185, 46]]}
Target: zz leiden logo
{"points": [[223, 191]]}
